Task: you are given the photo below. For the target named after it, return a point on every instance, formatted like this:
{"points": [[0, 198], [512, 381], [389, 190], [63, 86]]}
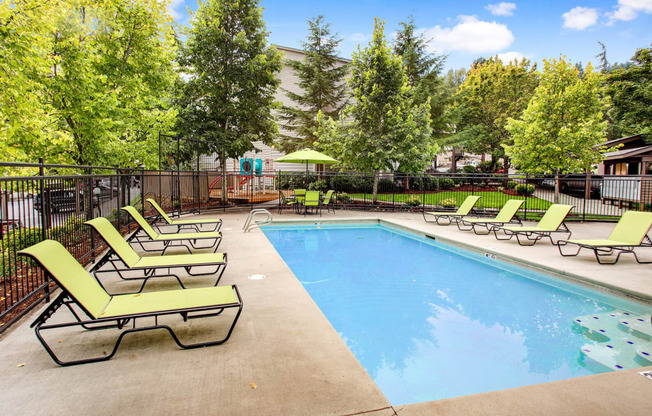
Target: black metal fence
{"points": [[40, 201]]}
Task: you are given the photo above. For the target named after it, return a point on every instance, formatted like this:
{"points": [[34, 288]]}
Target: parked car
{"points": [[60, 200], [575, 183]]}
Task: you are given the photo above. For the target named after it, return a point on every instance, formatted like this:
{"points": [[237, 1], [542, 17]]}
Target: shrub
{"points": [[386, 185], [317, 185], [446, 183], [469, 169], [526, 190], [413, 201], [343, 197], [487, 167], [14, 241], [448, 203], [481, 184], [425, 183], [511, 184]]}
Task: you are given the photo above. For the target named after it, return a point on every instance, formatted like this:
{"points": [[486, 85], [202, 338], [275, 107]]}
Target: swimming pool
{"points": [[430, 321]]}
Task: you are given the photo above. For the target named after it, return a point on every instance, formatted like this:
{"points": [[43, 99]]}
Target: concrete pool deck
{"points": [[284, 358]]}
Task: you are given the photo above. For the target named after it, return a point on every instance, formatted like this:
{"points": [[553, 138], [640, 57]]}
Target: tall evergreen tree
{"points": [[228, 100], [323, 87], [382, 127], [423, 70], [413, 50]]}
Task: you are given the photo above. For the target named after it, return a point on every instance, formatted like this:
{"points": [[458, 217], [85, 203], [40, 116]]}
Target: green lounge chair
{"points": [[180, 224], [328, 201], [83, 295], [506, 215], [629, 233], [146, 235], [462, 211], [312, 200], [286, 202], [122, 258], [551, 222]]}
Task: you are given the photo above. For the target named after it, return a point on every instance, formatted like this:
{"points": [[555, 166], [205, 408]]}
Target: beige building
{"points": [[268, 154]]}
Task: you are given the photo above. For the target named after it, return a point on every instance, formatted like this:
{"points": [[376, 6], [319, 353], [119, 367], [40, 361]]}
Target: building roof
{"points": [[621, 154]]}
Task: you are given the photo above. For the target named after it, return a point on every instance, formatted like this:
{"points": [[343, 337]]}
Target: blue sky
{"points": [[465, 30]]}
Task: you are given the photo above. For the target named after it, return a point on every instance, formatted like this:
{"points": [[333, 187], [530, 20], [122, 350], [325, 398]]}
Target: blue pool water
{"points": [[430, 321]]}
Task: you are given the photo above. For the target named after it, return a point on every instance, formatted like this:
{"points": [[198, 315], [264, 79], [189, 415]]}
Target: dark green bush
{"points": [[487, 167], [386, 185], [446, 183], [526, 190], [469, 169], [511, 184]]}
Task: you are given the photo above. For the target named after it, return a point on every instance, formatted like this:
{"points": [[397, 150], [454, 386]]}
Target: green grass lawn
{"points": [[494, 200]]}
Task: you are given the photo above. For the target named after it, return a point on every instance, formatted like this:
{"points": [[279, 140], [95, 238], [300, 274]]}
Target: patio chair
{"points": [[506, 215], [462, 211], [299, 195], [629, 233], [283, 202], [312, 200], [93, 308], [180, 224], [327, 202], [551, 222], [146, 236], [122, 258]]}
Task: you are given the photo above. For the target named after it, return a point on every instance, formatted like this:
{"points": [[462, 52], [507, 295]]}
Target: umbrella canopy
{"points": [[306, 156]]}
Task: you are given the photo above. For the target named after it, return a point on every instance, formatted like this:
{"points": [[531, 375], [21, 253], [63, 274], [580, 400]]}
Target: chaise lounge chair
{"points": [[83, 295], [629, 233], [507, 215], [551, 222], [180, 224], [462, 211], [122, 258], [328, 201], [146, 236]]}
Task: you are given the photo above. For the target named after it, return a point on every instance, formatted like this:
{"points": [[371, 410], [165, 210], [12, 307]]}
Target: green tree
{"points": [[491, 94], [27, 119], [111, 80], [423, 70], [382, 128], [323, 87], [229, 96], [562, 128], [630, 89]]}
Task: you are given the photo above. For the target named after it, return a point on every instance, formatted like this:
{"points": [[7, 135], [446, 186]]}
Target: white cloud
{"points": [[174, 4], [580, 18], [629, 9], [470, 35], [508, 57], [357, 37], [501, 9]]}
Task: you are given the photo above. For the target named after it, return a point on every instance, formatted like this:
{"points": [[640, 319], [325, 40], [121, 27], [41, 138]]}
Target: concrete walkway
{"points": [[284, 357]]}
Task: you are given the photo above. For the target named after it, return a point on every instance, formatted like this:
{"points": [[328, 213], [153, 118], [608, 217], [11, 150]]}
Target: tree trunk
{"points": [[587, 187], [557, 180], [374, 197], [224, 181]]}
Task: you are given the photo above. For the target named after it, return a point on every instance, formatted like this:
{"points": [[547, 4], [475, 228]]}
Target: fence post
{"points": [[526, 196]]}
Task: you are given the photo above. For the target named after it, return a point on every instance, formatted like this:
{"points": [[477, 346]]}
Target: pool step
{"points": [[603, 324], [621, 340], [640, 326], [617, 355]]}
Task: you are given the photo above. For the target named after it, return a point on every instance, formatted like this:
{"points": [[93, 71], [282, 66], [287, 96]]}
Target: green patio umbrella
{"points": [[306, 156]]}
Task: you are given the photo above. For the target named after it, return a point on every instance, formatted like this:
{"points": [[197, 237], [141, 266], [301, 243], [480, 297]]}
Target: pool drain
{"points": [[257, 276]]}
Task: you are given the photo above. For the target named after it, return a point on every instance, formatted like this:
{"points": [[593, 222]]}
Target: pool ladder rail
{"points": [[621, 340], [251, 222]]}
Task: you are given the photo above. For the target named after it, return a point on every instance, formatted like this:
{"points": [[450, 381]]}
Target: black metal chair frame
{"points": [[604, 251], [120, 322], [531, 236], [140, 238], [283, 201], [119, 267], [488, 225], [451, 217]]}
